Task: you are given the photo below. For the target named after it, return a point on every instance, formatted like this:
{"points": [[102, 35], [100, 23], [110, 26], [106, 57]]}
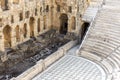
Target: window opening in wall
{"points": [[17, 31], [12, 19], [21, 16], [31, 24], [25, 30], [35, 11], [47, 8], [40, 10], [38, 28], [58, 8], [44, 25], [0, 22], [70, 9]]}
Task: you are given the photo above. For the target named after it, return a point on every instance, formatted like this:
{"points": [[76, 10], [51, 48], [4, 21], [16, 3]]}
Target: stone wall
{"points": [[22, 19]]}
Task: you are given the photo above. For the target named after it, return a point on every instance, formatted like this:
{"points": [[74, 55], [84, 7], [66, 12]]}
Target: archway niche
{"points": [[63, 24], [38, 25], [25, 30], [7, 36], [73, 23], [84, 29], [17, 32], [31, 24]]}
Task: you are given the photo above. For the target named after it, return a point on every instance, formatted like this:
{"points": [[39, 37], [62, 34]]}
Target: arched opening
{"points": [[17, 33], [45, 25], [63, 24], [84, 29], [38, 24], [7, 36], [21, 16], [31, 23], [25, 30], [73, 23]]}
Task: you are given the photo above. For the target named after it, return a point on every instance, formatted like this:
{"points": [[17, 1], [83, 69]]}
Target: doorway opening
{"points": [[63, 24], [7, 36], [17, 31], [31, 23]]}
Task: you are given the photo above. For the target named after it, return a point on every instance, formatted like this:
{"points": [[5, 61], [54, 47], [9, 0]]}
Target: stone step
{"points": [[108, 65], [90, 56], [111, 36], [114, 63], [106, 44], [98, 46], [96, 50]]}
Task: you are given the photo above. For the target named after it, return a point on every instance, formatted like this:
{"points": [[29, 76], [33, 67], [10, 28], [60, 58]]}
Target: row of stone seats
{"points": [[92, 10], [102, 44]]}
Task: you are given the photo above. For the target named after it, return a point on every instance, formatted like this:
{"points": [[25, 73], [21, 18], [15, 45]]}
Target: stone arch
{"points": [[73, 23], [63, 23], [38, 25], [25, 30], [31, 24], [7, 36], [17, 33]]}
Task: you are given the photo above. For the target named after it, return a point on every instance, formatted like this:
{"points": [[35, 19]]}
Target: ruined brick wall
{"points": [[22, 19]]}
